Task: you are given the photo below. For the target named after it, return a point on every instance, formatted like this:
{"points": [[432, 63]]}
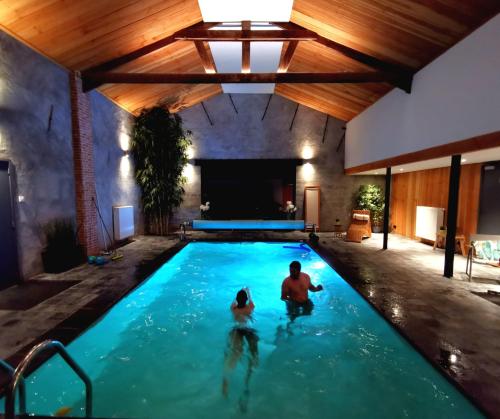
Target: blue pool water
{"points": [[159, 353]]}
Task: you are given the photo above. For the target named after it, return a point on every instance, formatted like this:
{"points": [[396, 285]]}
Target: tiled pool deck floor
{"points": [[440, 316]]}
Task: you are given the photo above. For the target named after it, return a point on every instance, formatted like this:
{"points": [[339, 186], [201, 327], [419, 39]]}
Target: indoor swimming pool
{"points": [[159, 353]]}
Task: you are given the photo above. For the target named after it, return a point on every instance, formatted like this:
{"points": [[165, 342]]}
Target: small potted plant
{"points": [[62, 251], [290, 210], [204, 209]]}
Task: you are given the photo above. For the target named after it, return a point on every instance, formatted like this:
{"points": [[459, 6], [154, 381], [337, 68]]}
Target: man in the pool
{"points": [[295, 291]]}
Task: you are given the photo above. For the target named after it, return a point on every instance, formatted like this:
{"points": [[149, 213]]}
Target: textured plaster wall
{"points": [[40, 146], [245, 136]]}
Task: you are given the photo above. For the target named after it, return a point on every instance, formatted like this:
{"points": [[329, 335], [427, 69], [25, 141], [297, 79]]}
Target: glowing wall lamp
{"points": [[307, 152], [124, 141]]}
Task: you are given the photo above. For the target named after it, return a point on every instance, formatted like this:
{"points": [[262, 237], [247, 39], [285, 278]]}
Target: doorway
{"points": [[9, 268]]}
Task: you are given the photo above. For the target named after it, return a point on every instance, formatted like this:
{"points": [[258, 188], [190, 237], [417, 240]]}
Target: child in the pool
{"points": [[242, 313]]}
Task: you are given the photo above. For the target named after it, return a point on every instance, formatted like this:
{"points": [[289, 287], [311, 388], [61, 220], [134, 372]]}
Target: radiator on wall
{"points": [[123, 222], [429, 219]]}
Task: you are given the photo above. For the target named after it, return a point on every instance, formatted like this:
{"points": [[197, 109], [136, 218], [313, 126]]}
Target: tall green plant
{"points": [[370, 197], [159, 146]]}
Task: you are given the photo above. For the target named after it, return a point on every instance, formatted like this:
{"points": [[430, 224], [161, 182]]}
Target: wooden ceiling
{"points": [[79, 34]]}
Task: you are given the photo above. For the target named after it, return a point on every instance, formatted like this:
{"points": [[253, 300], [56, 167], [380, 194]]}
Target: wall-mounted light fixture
{"points": [[307, 152]]}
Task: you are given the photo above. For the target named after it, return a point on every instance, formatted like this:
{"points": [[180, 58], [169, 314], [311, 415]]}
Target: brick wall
{"points": [[86, 213]]}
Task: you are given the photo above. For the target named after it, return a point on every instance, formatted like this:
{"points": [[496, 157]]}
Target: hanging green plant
{"points": [[159, 147], [370, 197]]}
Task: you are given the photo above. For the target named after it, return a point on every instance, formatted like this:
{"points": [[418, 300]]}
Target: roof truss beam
{"points": [[406, 73], [246, 27], [286, 58], [206, 56], [200, 33], [91, 79], [231, 35]]}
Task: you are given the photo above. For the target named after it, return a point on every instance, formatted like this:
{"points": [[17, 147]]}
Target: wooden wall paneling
{"points": [[430, 188]]}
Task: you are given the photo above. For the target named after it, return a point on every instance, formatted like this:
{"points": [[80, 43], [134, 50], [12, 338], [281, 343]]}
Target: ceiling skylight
{"points": [[238, 10], [264, 56]]}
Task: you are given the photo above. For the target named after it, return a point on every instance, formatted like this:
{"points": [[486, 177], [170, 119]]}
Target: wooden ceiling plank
{"points": [[116, 62]]}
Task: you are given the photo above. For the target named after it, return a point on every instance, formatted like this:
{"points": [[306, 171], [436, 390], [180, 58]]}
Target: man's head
{"points": [[241, 298], [295, 269]]}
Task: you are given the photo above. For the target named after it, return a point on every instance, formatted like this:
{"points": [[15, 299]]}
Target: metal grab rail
{"points": [[22, 387], [10, 397]]}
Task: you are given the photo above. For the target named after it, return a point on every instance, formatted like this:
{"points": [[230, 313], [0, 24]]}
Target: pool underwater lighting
{"points": [[318, 265]]}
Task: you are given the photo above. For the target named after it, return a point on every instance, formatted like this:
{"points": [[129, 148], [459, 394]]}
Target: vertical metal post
{"points": [[387, 205], [451, 224]]}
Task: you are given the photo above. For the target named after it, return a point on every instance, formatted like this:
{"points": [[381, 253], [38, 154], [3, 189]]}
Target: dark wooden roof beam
{"points": [[91, 79], [286, 58], [147, 49], [242, 35], [246, 27], [406, 73], [206, 56]]}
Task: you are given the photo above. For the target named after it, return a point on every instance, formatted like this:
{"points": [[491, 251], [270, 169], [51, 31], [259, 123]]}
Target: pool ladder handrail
{"points": [[22, 387], [17, 377]]}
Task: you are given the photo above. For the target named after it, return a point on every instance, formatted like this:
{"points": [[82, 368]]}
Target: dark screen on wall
{"points": [[489, 202]]}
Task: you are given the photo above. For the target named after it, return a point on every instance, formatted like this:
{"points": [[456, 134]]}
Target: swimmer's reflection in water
{"points": [[242, 310]]}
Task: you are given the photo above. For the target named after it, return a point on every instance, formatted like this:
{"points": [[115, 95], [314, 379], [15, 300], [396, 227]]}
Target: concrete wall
{"points": [[30, 86], [455, 97], [114, 174], [246, 136]]}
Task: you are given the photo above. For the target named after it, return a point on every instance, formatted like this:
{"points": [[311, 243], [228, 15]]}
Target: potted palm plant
{"points": [[159, 147], [370, 197]]}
